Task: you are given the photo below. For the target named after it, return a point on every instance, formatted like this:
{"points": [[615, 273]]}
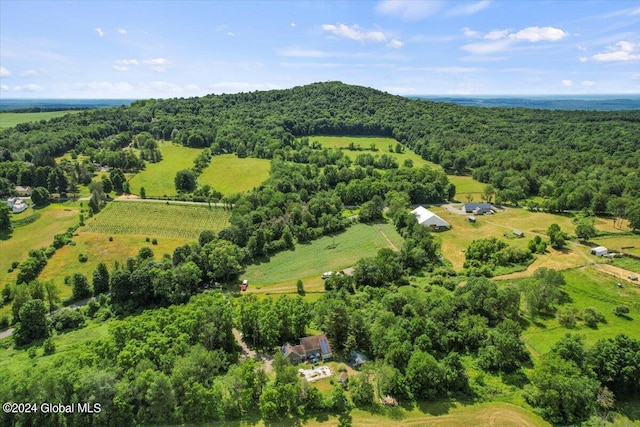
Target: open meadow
{"points": [[365, 142], [154, 219], [467, 186], [307, 262], [48, 221], [230, 175], [8, 120], [588, 287], [158, 178]]}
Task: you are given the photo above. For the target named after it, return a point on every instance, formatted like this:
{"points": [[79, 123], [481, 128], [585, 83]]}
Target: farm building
{"points": [[23, 191], [477, 208], [17, 205], [599, 251], [429, 219], [315, 347], [471, 218], [518, 233]]}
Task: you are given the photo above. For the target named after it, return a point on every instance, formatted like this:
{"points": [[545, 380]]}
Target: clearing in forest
{"points": [[157, 219], [230, 174], [158, 179], [588, 287], [364, 143], [8, 120], [467, 186], [307, 262]]}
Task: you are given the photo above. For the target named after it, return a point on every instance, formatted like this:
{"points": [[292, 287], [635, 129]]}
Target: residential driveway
{"points": [[248, 353]]}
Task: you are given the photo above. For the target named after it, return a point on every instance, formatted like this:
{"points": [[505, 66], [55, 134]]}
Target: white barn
{"points": [[599, 251], [429, 219]]}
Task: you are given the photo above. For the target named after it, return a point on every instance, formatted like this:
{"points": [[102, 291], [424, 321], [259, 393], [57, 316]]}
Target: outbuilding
{"points": [[599, 251], [429, 219], [477, 208]]}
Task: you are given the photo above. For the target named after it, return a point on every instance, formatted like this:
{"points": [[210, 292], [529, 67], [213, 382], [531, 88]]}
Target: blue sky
{"points": [[163, 49]]}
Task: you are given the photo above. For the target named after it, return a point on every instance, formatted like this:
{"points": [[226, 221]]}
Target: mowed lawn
{"points": [[307, 262], [230, 174], [8, 120], [589, 287], [365, 142], [158, 178], [98, 248], [53, 219], [156, 219]]}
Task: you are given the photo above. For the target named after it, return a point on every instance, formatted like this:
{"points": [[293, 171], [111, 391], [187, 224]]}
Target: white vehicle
{"points": [[327, 274]]}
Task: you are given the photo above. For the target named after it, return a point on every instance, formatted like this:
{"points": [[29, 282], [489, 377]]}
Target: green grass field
{"points": [[158, 178], [8, 120], [157, 219], [229, 174], [330, 253], [589, 287], [364, 142], [54, 219], [467, 186]]}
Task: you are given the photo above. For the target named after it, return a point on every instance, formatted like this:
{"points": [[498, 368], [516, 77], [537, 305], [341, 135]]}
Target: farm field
{"points": [[158, 178], [230, 174], [157, 219], [382, 144], [589, 287], [631, 243], [330, 253], [98, 248], [54, 219], [8, 120], [466, 185]]}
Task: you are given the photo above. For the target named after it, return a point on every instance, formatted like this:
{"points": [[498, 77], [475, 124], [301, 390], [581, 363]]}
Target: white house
{"points": [[599, 251], [429, 219], [17, 205]]}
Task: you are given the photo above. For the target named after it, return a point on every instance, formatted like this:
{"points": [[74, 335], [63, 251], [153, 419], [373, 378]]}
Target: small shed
{"points": [[518, 233], [471, 218], [599, 251]]}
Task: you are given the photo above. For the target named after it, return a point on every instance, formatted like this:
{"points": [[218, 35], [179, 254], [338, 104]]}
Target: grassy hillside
{"points": [[8, 120], [158, 178], [229, 174], [330, 253], [365, 142]]}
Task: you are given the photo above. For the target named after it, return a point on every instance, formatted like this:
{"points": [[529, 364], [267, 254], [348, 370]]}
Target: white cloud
{"points": [[28, 88], [4, 88], [127, 62], [120, 68], [567, 82], [293, 24], [471, 33], [536, 34], [230, 34], [192, 88], [496, 34], [103, 87], [4, 72], [354, 33], [158, 64], [622, 51], [122, 31], [487, 48], [99, 31], [411, 10], [588, 83], [500, 40], [395, 43], [30, 73], [469, 9], [583, 59]]}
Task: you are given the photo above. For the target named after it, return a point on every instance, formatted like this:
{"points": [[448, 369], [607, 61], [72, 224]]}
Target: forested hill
{"points": [[573, 159]]}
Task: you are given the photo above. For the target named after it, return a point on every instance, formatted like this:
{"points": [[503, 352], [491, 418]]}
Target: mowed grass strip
{"points": [[157, 219], [54, 219], [230, 174], [8, 120], [466, 185], [588, 287], [329, 253], [158, 179], [365, 142]]}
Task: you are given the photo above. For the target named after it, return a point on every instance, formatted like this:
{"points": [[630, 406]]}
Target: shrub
{"points": [[591, 317], [67, 320], [49, 251], [82, 258], [154, 241], [566, 317], [49, 346], [111, 238], [4, 322], [621, 310]]}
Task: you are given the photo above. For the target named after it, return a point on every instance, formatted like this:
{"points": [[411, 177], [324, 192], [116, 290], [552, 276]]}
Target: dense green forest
{"points": [[167, 352], [571, 159]]}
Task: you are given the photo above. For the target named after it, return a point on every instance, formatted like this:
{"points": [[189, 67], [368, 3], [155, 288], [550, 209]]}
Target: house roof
{"points": [[599, 249], [287, 349], [426, 217], [486, 206], [313, 344]]}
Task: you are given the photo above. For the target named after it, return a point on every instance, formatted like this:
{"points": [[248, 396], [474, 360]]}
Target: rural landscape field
{"points": [[320, 213]]}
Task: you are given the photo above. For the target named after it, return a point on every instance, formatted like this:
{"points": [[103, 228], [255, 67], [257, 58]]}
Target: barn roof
{"points": [[426, 217]]}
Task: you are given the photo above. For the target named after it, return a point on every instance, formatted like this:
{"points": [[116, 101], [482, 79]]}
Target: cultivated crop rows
{"points": [[157, 219]]}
